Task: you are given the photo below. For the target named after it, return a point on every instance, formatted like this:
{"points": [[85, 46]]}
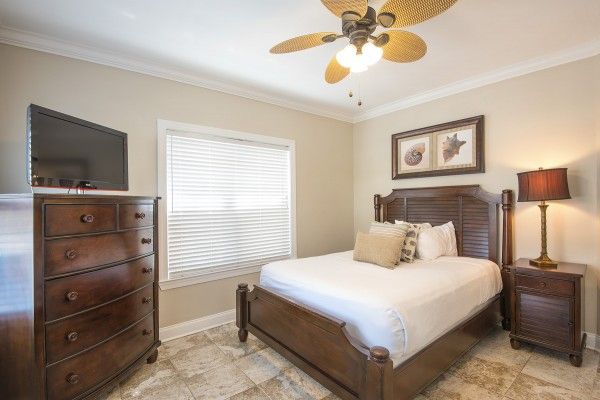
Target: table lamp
{"points": [[543, 185]]}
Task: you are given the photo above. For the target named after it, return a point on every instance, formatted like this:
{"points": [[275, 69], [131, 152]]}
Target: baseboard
{"points": [[196, 325], [592, 341]]}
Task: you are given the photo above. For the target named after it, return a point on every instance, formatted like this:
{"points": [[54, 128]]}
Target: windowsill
{"points": [[207, 277]]}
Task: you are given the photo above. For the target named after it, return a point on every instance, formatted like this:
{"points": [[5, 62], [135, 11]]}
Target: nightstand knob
{"points": [[543, 284]]}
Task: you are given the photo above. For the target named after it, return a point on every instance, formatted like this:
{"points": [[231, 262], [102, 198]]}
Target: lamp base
{"points": [[543, 261]]}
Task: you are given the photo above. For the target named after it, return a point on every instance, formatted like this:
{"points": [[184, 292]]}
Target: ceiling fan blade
{"points": [[403, 47], [401, 13], [335, 72], [338, 7], [304, 42]]}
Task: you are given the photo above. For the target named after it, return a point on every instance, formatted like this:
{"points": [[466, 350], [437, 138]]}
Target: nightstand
{"points": [[547, 307]]}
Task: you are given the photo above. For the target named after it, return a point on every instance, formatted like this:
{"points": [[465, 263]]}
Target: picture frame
{"points": [[451, 148]]}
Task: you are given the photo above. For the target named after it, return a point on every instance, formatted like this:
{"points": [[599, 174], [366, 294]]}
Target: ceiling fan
{"points": [[359, 22]]}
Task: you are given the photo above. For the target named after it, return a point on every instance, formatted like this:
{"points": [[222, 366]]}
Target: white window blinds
{"points": [[228, 204]]}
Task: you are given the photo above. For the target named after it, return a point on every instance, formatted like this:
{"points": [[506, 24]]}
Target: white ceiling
{"points": [[224, 44]]}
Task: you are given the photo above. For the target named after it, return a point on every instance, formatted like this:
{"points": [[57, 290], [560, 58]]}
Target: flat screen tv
{"points": [[67, 152]]}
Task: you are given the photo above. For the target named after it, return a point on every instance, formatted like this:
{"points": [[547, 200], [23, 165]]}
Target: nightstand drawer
{"points": [[547, 285]]}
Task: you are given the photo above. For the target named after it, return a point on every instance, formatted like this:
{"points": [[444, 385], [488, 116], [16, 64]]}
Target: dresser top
{"points": [[73, 196], [562, 268]]}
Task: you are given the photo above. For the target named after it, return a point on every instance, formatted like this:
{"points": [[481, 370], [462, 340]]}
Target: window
{"points": [[227, 204]]}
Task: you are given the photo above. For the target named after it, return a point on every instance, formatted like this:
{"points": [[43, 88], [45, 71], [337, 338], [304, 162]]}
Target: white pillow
{"points": [[437, 241]]}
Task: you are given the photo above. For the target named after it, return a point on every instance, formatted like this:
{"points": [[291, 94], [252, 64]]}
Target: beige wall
{"points": [[133, 102], [549, 118]]}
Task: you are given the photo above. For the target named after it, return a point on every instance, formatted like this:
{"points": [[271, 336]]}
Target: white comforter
{"points": [[403, 309]]}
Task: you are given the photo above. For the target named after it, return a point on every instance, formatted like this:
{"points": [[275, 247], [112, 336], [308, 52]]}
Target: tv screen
{"points": [[68, 152]]}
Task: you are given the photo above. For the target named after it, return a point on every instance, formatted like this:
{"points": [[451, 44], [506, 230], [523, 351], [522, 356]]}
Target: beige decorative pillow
{"points": [[382, 250], [409, 250]]}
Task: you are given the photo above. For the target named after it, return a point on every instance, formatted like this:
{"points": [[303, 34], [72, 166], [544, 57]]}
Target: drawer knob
{"points": [[72, 336], [73, 379], [146, 300], [147, 332], [543, 284], [87, 218], [146, 240], [147, 270], [140, 215], [72, 296], [71, 254]]}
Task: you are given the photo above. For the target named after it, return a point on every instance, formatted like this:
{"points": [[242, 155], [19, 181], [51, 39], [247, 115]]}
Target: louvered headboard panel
{"points": [[473, 211]]}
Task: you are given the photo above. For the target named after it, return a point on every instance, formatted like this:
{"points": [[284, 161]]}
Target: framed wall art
{"points": [[452, 148]]}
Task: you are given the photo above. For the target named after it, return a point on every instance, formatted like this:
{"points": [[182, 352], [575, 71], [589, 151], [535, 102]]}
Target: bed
{"points": [[369, 333]]}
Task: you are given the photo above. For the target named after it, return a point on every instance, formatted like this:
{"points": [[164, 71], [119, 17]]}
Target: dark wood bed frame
{"points": [[321, 346]]}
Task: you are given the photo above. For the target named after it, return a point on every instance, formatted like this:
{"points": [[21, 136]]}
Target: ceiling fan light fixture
{"points": [[371, 53], [346, 56], [359, 64]]}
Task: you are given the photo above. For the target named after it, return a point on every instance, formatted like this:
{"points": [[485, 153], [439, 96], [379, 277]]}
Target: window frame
{"points": [[193, 130]]}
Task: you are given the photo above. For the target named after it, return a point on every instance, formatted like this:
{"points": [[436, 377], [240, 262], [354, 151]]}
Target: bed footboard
{"points": [[316, 343]]}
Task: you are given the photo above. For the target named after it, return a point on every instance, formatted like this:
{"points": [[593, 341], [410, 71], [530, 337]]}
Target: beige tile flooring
{"points": [[215, 365]]}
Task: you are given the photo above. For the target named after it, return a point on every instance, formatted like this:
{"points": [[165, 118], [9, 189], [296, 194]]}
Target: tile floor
{"points": [[215, 365]]}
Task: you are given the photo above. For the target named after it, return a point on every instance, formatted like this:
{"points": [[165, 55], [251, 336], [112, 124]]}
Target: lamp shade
{"points": [[544, 184]]}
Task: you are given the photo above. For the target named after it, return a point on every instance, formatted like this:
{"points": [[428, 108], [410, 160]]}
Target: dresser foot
{"points": [[576, 360], [153, 357], [515, 344], [243, 335]]}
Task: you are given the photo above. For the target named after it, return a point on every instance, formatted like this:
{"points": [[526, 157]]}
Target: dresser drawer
{"points": [[546, 285], [74, 376], [65, 296], [73, 254], [72, 335], [135, 215], [545, 318], [72, 219]]}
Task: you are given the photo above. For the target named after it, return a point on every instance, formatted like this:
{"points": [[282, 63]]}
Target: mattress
{"points": [[404, 309]]}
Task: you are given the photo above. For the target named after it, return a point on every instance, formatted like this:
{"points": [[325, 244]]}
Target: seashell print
{"points": [[451, 147], [414, 155]]}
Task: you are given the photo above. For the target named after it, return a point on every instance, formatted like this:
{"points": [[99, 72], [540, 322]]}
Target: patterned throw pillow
{"points": [[409, 250]]}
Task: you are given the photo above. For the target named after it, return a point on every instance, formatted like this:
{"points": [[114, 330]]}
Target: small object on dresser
{"points": [[542, 185], [548, 307]]}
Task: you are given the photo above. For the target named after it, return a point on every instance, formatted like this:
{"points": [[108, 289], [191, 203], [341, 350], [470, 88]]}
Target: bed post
{"points": [[380, 375], [241, 316], [377, 205], [507, 254]]}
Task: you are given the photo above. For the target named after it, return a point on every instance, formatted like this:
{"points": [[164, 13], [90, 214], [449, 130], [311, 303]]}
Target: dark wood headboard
{"points": [[472, 210]]}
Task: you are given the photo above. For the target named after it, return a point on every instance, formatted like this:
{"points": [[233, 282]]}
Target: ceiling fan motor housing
{"points": [[359, 30]]}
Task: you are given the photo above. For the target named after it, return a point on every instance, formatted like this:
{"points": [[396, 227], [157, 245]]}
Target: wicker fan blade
{"points": [[335, 72], [401, 13], [404, 47], [304, 42], [338, 7]]}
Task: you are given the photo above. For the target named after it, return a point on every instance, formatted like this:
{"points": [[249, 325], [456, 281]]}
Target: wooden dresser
{"points": [[548, 307], [79, 293]]}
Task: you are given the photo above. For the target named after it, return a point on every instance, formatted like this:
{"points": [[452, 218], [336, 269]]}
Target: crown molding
{"points": [[586, 50], [46, 44]]}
